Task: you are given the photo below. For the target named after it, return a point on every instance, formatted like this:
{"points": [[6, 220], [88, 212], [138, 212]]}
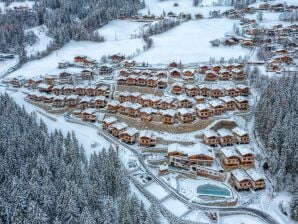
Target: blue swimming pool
{"points": [[213, 190]]}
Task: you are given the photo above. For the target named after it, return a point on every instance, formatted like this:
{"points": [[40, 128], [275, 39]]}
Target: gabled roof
{"points": [[191, 150]]}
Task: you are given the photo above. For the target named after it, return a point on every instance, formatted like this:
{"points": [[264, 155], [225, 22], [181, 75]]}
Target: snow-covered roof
{"points": [[202, 106], [148, 110], [167, 99], [227, 99], [43, 86], [190, 86], [169, 112], [215, 103], [110, 120], [101, 98], [147, 134], [244, 150], [224, 132], [130, 131], [241, 99], [191, 150], [86, 99], [254, 175], [125, 94], [119, 125], [72, 97], [240, 175], [89, 111], [229, 152], [114, 103], [239, 131], [178, 84], [186, 111], [209, 133]]}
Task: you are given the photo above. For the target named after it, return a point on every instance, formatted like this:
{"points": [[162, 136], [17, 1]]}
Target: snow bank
{"points": [[175, 206], [240, 219]]}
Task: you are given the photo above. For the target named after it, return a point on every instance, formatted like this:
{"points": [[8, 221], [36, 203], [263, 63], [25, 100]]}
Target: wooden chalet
{"points": [[210, 75], [129, 135], [166, 103], [105, 70], [229, 102], [175, 73], [162, 83], [102, 90], [204, 90], [229, 158], [100, 101], [43, 87], [185, 102], [177, 88], [117, 128], [210, 137], [243, 90], [184, 156], [90, 91], [242, 103], [123, 96], [216, 92], [71, 101], [204, 111], [147, 138], [247, 43], [173, 64], [47, 98], [191, 90], [217, 106], [129, 63], [79, 90], [257, 180], [131, 80], [59, 101], [107, 122], [49, 80], [186, 115], [89, 115], [188, 74], [65, 77], [162, 74], [85, 102], [34, 82], [152, 81], [231, 91], [240, 136], [224, 74], [240, 180], [168, 116], [225, 137], [247, 157], [146, 113], [68, 90], [238, 74], [141, 80], [57, 90], [117, 58]]}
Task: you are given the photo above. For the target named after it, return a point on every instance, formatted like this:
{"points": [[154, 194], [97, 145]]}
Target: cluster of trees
{"points": [[65, 19], [290, 16], [276, 123], [46, 178]]}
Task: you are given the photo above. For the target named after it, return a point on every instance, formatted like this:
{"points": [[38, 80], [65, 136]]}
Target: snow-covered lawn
{"points": [[49, 64], [156, 190], [240, 219], [174, 206], [120, 30], [86, 135], [41, 43], [190, 42]]}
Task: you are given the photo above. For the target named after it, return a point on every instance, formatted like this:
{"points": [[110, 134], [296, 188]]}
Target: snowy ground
{"points": [[240, 219], [190, 42], [49, 64], [120, 30], [85, 135], [197, 216], [156, 190], [175, 206], [41, 43]]}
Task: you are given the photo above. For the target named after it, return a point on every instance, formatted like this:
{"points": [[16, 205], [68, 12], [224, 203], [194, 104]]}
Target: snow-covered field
{"points": [[190, 42], [120, 30], [7, 64], [156, 190], [197, 216], [174, 206], [49, 64], [41, 43], [240, 219]]}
